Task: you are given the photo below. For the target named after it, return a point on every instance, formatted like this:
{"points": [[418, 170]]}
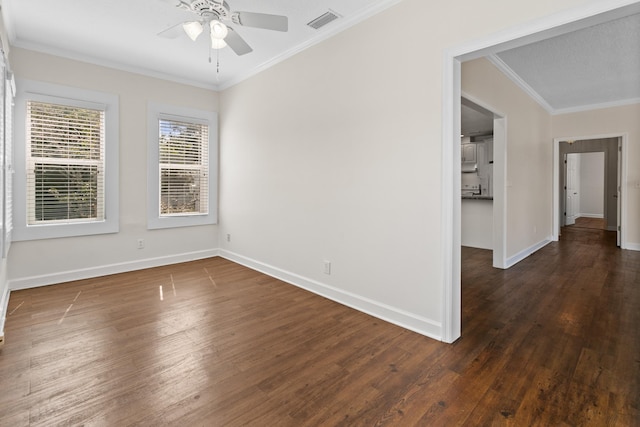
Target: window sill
{"points": [[180, 221], [54, 231]]}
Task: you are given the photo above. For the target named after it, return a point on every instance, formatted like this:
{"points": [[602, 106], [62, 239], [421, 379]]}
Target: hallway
{"points": [[565, 322]]}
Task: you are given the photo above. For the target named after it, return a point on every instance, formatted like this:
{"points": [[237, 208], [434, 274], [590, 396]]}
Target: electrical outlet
{"points": [[140, 243], [327, 267], [228, 237]]}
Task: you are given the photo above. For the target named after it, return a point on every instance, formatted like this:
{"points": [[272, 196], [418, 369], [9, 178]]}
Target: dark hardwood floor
{"points": [[553, 341], [584, 222]]}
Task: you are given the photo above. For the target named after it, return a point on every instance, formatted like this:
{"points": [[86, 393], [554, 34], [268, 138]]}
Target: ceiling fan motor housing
{"points": [[207, 8], [212, 13]]}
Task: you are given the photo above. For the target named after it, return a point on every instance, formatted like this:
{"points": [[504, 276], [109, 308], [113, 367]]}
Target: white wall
{"points": [[54, 260], [592, 185], [605, 122], [529, 154], [335, 154]]}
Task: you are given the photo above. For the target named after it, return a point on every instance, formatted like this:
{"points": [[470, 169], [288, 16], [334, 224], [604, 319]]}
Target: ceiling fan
{"points": [[214, 16]]}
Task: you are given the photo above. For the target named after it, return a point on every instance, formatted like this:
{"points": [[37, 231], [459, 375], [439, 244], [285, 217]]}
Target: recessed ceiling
{"points": [[593, 67], [124, 34]]}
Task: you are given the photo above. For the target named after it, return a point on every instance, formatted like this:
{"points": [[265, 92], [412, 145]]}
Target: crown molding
{"points": [[600, 106], [47, 50], [334, 28], [515, 78], [325, 33]]}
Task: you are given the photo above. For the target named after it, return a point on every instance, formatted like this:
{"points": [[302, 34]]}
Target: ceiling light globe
{"points": [[218, 30], [193, 29], [217, 43]]}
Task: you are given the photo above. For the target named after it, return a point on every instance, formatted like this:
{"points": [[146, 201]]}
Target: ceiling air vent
{"points": [[323, 19]]}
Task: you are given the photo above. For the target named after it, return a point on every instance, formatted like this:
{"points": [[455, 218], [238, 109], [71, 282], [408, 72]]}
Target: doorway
{"points": [[584, 185], [613, 149], [483, 124], [451, 158]]}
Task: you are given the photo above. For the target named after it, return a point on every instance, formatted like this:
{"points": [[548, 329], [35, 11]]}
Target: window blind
{"points": [[65, 170], [184, 165]]}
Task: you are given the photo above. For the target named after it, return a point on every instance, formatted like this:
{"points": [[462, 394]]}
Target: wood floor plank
{"points": [[552, 341]]}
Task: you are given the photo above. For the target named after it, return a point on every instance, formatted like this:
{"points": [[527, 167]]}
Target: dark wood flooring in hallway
{"points": [[553, 341]]}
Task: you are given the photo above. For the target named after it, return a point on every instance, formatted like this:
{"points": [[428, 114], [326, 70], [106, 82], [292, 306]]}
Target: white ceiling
{"points": [[589, 67], [475, 120], [123, 34], [592, 67]]}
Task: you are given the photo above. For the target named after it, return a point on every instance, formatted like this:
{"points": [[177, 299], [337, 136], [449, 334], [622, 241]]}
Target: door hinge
{"points": [[619, 228]]}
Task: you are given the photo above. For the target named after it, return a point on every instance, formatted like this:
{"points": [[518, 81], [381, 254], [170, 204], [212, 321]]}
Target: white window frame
{"points": [[8, 169], [155, 112], [30, 90]]}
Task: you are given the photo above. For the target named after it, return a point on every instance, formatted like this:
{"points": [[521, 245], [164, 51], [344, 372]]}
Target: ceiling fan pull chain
{"points": [[217, 64]]}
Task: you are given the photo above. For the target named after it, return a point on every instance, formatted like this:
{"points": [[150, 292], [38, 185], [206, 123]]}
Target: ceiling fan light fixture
{"points": [[217, 43], [193, 29], [218, 30]]}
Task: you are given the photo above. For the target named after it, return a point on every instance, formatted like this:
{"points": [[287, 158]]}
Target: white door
{"points": [[573, 188]]}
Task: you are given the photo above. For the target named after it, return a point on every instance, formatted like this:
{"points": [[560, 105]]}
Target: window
{"points": [[184, 167], [69, 155], [65, 163], [182, 151]]}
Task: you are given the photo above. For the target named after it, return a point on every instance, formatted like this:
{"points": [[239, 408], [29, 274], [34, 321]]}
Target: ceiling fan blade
{"points": [[237, 43], [172, 32], [261, 20], [176, 3]]}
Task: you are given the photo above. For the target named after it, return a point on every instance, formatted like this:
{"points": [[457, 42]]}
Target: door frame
{"points": [[519, 35], [563, 183], [621, 176]]}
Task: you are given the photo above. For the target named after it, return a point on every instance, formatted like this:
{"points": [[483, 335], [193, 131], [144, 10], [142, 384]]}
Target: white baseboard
{"points": [[104, 270], [411, 321], [633, 246], [4, 303], [421, 325], [511, 261], [586, 215]]}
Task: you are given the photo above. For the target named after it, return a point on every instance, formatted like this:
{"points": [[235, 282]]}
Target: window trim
{"points": [[30, 90], [156, 111], [8, 162]]}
